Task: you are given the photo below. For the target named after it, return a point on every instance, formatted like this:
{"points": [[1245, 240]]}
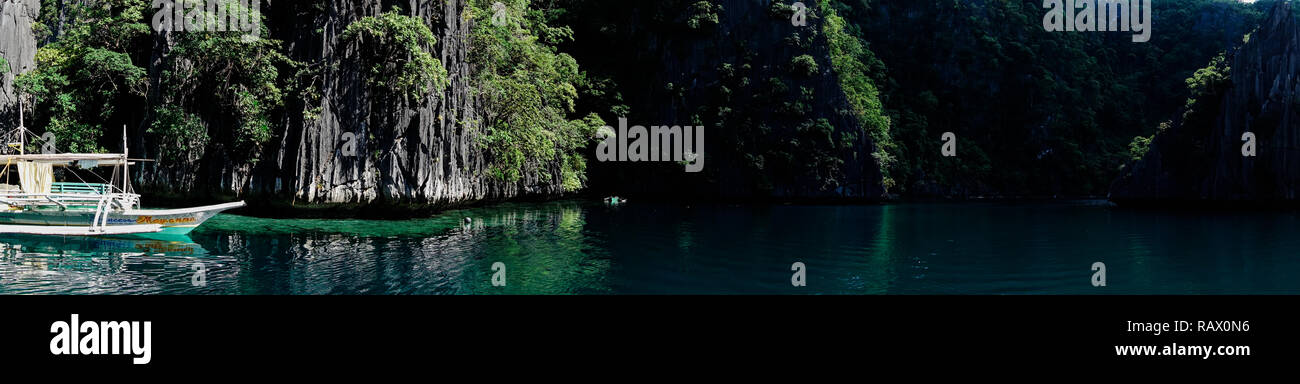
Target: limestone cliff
{"points": [[419, 153], [17, 52], [1200, 157]]}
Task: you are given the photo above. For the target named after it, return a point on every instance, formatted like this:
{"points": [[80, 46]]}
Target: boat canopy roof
{"points": [[84, 160]]}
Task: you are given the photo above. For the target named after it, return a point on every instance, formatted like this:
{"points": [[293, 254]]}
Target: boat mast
{"points": [[22, 131], [125, 165]]}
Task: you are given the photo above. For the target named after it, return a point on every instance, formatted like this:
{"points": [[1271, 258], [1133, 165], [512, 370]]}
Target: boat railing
{"points": [[71, 187]]}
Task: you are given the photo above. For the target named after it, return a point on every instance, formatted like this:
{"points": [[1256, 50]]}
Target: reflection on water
{"points": [[97, 265], [572, 247]]}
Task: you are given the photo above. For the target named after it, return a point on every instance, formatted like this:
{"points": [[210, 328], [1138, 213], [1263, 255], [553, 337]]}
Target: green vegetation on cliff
{"points": [[396, 53], [850, 59], [212, 88], [528, 90], [1035, 112], [86, 76]]}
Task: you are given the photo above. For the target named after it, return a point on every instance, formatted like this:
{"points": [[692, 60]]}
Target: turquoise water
{"points": [[572, 247]]}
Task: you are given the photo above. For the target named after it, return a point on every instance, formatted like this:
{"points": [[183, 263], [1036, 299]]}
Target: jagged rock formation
{"points": [[18, 51], [427, 153], [1201, 158]]}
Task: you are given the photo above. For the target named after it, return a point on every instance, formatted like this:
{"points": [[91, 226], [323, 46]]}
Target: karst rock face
{"points": [[427, 152], [1202, 160], [18, 49], [417, 152]]}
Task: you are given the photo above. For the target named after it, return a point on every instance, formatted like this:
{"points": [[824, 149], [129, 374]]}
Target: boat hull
{"points": [[172, 221]]}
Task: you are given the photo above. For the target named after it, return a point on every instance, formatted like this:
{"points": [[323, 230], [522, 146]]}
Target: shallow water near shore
{"points": [[578, 247]]}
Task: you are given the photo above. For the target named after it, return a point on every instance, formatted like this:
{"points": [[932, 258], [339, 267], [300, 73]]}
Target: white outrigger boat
{"points": [[38, 205]]}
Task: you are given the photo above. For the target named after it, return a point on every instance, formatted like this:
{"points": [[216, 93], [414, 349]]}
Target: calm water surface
{"points": [[572, 247]]}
